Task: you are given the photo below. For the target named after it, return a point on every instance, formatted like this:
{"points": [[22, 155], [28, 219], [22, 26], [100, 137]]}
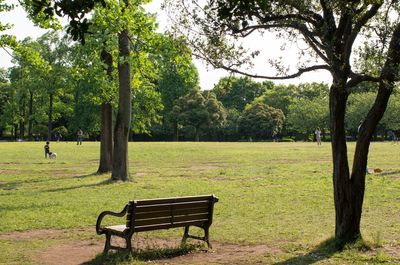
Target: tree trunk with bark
{"points": [[349, 188], [50, 121], [106, 134], [30, 113], [123, 121], [22, 120], [106, 139]]}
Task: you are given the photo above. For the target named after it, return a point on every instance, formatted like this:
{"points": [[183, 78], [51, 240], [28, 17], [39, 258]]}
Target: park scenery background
{"points": [[104, 72], [276, 203]]}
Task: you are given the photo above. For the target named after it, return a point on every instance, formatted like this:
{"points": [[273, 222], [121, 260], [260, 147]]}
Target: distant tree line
{"points": [[63, 90]]}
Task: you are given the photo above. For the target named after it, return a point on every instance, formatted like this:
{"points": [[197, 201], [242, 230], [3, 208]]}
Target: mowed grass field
{"points": [[277, 195]]}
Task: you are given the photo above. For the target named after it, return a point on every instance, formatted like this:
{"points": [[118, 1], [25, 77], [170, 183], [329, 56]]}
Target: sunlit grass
{"points": [[277, 194]]}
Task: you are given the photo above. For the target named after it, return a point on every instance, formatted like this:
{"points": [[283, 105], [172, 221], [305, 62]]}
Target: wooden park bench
{"points": [[155, 214]]}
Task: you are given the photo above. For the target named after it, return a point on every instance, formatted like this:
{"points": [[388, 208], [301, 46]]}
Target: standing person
{"points": [[318, 136], [392, 136], [79, 137], [47, 150]]}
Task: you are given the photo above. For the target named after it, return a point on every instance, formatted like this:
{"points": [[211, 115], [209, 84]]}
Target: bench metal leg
{"points": [[129, 245], [207, 236], [107, 244], [185, 235]]}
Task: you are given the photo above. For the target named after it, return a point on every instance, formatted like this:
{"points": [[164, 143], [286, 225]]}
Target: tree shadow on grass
{"points": [[14, 185], [102, 183], [141, 255], [86, 175], [323, 251]]}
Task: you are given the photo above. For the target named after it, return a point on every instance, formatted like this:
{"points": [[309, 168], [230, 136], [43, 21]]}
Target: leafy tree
{"points": [[237, 92], [176, 75], [307, 114], [279, 97], [6, 40], [260, 121], [229, 131], [359, 105], [329, 29], [4, 83], [391, 119], [200, 110]]}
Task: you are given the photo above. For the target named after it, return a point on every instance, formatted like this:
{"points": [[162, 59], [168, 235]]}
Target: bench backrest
{"points": [[147, 215]]}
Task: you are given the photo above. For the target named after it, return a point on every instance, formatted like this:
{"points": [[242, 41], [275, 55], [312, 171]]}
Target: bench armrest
{"points": [[101, 216]]}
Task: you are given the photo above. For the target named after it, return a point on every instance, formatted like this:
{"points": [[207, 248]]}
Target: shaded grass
{"points": [[142, 256], [277, 194]]}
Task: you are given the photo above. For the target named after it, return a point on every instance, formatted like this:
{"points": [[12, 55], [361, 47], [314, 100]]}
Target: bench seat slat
{"points": [[171, 219], [172, 206], [167, 226], [172, 200], [148, 215], [116, 228]]}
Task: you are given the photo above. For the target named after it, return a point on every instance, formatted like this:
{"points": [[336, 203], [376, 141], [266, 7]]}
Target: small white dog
{"points": [[53, 155]]}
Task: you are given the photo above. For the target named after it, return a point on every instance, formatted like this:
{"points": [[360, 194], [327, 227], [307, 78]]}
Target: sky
{"points": [[267, 44]]}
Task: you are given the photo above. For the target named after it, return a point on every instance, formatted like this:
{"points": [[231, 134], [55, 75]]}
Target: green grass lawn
{"points": [[274, 194]]}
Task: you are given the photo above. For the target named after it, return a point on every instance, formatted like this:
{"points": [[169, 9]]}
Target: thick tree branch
{"points": [[299, 73], [389, 75], [356, 79], [357, 27], [328, 14]]}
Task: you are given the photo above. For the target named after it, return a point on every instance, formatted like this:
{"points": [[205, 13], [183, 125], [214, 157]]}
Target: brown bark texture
{"points": [[349, 188], [123, 121]]}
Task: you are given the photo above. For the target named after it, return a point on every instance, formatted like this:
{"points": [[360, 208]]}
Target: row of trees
{"points": [[169, 106]]}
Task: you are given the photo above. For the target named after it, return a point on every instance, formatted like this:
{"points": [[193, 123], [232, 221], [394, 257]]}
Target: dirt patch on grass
{"points": [[203, 167], [73, 252], [80, 252], [44, 234], [393, 251], [224, 253], [12, 171]]}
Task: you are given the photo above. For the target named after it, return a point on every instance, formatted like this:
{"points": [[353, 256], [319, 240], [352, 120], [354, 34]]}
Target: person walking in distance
{"points": [[47, 150], [318, 136], [79, 137]]}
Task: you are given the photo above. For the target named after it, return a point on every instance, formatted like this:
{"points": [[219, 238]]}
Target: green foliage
{"points": [[357, 109], [236, 92], [177, 73], [279, 97], [200, 110], [260, 121], [360, 103], [307, 114]]}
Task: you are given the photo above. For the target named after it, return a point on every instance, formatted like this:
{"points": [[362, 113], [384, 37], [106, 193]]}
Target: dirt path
{"points": [[72, 251], [78, 252]]}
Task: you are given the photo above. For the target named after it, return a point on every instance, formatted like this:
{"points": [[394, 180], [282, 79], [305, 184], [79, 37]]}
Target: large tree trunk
{"points": [[123, 121], [30, 113], [349, 189], [22, 121], [347, 217], [49, 125], [106, 140]]}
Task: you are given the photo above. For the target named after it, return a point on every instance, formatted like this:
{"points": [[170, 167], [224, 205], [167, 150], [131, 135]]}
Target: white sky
{"points": [[23, 28]]}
